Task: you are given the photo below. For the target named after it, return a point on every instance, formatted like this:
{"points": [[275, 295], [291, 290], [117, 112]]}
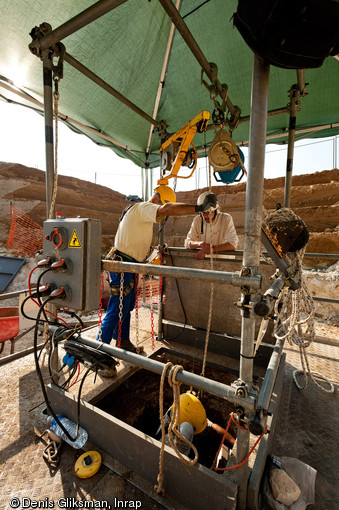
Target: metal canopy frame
{"points": [[253, 212], [42, 45]]}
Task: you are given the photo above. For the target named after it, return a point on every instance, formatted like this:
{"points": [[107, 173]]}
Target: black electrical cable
{"points": [[51, 352], [70, 377], [90, 354], [162, 224], [42, 348], [42, 384], [38, 293], [73, 314], [196, 8], [32, 296], [38, 370]]}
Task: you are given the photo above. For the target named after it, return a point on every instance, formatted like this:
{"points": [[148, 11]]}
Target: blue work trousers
{"points": [[110, 323]]}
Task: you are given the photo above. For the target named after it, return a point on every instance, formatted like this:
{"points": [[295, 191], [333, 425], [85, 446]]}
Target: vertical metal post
{"points": [[142, 182], [253, 218], [49, 145], [49, 149], [146, 195], [150, 182], [294, 96], [335, 152]]}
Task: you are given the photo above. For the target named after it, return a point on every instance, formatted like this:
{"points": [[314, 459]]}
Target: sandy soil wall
{"points": [[315, 198]]}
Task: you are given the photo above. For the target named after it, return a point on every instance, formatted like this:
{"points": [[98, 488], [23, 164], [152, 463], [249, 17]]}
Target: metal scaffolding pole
{"points": [[197, 381], [162, 78], [48, 116], [251, 259], [96, 79], [195, 49], [80, 20], [267, 386], [183, 272], [294, 98], [49, 148]]}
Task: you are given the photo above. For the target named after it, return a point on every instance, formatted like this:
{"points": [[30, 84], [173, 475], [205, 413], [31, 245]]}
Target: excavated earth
{"points": [[315, 198]]}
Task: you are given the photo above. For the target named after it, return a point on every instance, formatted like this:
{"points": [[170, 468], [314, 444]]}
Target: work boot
{"points": [[107, 372], [128, 346]]}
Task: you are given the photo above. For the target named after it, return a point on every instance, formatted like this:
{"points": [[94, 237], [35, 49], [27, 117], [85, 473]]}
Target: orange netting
{"points": [[149, 289], [25, 235]]}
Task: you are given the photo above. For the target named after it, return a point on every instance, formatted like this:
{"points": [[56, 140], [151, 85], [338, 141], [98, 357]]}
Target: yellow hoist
{"points": [[176, 150]]}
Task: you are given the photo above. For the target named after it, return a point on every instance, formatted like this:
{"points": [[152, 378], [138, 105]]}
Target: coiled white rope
{"points": [[294, 312]]}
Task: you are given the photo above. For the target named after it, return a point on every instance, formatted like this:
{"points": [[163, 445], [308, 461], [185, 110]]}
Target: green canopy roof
{"points": [[126, 48]]}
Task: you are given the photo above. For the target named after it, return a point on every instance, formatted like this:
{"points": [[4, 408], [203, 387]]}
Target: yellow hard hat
{"points": [[192, 410], [166, 193]]}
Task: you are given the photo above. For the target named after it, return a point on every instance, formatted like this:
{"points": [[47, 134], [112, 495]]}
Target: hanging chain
{"points": [[100, 309], [137, 294], [121, 306], [151, 308]]}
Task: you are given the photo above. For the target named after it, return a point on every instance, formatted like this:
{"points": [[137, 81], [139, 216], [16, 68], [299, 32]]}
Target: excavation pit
{"points": [[124, 421], [136, 402]]}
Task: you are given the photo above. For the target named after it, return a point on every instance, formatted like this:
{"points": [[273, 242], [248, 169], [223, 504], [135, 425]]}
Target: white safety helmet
{"points": [[202, 197]]}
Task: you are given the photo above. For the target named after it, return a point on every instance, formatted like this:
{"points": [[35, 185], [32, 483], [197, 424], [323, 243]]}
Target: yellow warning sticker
{"points": [[75, 241]]}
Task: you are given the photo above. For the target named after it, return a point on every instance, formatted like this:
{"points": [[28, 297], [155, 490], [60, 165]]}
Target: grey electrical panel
{"points": [[77, 241]]}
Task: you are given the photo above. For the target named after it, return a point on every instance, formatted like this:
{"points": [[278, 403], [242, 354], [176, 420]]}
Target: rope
{"points": [[174, 424], [56, 97], [210, 310], [294, 312], [51, 453]]}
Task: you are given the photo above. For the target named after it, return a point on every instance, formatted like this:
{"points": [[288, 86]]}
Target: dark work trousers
{"points": [[110, 323]]}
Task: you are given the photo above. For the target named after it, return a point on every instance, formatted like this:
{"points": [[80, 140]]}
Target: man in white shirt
{"points": [[222, 230], [132, 244]]}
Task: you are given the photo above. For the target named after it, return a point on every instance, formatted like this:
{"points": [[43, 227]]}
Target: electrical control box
{"points": [[74, 248]]}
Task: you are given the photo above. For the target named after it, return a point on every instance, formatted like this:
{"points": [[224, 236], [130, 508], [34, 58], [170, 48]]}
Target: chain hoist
{"points": [[137, 293], [121, 306], [151, 308], [100, 309]]}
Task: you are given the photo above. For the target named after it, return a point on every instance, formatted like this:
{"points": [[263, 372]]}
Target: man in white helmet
{"points": [[224, 236], [132, 244]]}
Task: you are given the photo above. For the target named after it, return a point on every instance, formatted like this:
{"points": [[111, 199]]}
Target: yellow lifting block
{"points": [[88, 464], [178, 145], [192, 410]]}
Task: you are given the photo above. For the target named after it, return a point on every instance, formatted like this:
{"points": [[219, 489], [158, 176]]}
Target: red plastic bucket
{"points": [[9, 323]]}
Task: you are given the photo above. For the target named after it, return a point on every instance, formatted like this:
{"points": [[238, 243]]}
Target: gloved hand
{"points": [[209, 201]]}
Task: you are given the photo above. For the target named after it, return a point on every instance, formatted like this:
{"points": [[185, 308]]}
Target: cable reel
{"points": [[88, 464], [226, 158]]}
